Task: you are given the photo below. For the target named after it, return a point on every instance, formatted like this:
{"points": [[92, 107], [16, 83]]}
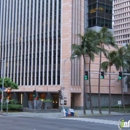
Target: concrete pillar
{"points": [[25, 99]]}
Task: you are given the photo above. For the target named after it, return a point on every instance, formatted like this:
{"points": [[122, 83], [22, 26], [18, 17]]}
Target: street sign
{"points": [[62, 101], [119, 102]]}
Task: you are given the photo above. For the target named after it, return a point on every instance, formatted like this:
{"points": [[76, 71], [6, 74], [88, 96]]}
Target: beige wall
{"points": [[66, 47]]}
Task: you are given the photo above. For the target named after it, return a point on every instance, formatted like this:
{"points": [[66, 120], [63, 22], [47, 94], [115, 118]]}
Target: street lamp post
{"points": [[63, 87], [2, 75]]}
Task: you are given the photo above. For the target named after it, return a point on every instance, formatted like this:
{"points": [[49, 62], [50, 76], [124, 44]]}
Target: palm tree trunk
{"points": [[122, 94], [99, 84], [90, 87], [84, 90], [109, 90]]}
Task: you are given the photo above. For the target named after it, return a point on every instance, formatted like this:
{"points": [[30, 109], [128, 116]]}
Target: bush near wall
{"points": [[13, 105]]}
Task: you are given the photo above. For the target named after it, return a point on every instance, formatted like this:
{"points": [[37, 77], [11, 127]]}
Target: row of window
{"points": [[39, 81], [100, 7], [122, 26], [121, 20], [120, 3], [124, 9], [122, 36], [123, 41], [122, 31], [101, 22], [120, 16], [107, 2]]}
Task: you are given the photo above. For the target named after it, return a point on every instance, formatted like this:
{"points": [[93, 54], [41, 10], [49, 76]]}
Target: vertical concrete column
{"points": [[25, 99], [67, 99]]}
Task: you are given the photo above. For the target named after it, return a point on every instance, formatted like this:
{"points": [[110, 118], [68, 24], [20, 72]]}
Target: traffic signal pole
{"points": [[34, 96], [62, 88]]}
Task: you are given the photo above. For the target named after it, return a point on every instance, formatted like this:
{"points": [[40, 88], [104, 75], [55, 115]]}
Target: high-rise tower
{"points": [[122, 21]]}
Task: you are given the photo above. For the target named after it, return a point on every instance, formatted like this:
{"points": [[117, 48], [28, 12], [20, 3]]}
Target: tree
{"points": [[124, 56], [128, 62], [88, 47], [8, 83], [104, 37], [112, 60]]}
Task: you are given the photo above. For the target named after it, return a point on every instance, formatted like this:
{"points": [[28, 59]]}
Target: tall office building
{"points": [[35, 43], [122, 21]]}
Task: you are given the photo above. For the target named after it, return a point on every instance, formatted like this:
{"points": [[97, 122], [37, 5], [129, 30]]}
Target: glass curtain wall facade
{"points": [[100, 13], [30, 41]]}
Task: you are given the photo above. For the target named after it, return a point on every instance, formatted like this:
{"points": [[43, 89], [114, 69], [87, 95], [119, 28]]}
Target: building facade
{"points": [[122, 21], [35, 40], [98, 13]]}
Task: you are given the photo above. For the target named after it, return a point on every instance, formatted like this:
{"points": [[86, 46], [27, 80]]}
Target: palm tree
{"points": [[112, 60], [86, 48], [93, 48], [104, 37], [123, 55], [128, 62]]}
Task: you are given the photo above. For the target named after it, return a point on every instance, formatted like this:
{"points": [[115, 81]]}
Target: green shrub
{"points": [[13, 107], [13, 102]]}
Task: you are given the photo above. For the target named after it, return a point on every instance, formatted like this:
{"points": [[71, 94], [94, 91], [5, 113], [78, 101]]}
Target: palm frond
{"points": [[105, 65], [106, 37]]}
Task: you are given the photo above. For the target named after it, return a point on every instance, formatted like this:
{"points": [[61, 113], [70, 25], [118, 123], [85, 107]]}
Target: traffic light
{"points": [[37, 98], [34, 93], [120, 76], [60, 94], [8, 93], [102, 75], [86, 75]]}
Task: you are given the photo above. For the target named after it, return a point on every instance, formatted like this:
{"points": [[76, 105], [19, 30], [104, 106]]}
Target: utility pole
{"points": [[2, 75]]}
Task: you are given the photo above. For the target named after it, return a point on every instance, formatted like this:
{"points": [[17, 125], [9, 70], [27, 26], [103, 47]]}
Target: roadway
{"points": [[75, 123]]}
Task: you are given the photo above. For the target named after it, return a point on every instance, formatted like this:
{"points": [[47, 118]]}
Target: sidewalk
{"points": [[78, 113]]}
